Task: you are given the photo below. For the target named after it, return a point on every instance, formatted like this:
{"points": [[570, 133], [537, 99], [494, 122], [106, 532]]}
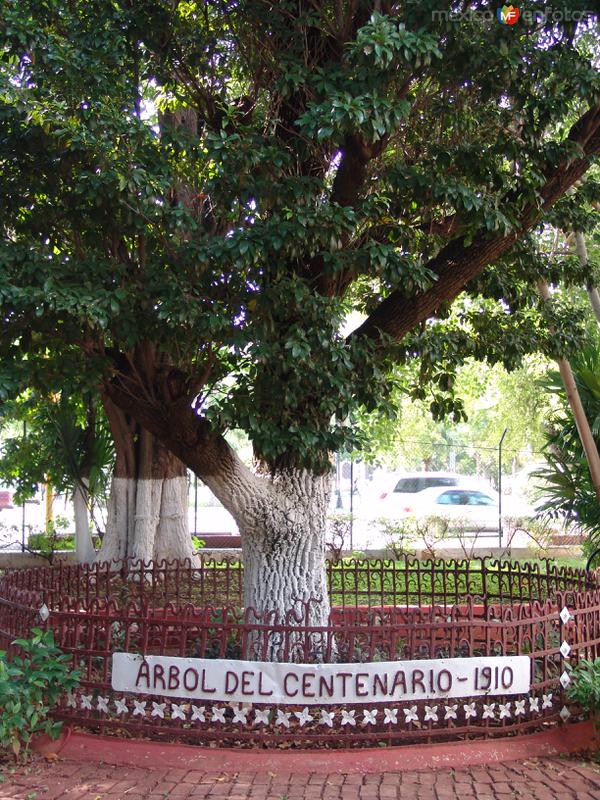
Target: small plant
{"points": [[30, 686], [467, 534], [539, 530], [47, 543], [198, 543], [585, 685], [585, 690], [399, 535], [434, 532], [338, 535], [403, 536]]}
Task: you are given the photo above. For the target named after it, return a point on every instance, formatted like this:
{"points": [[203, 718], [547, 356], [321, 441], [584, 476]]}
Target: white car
{"points": [[471, 505], [403, 490]]}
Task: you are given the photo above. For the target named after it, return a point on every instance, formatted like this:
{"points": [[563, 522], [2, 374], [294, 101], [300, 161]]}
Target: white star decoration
{"points": [[303, 716], [261, 717], [140, 708], [491, 711], [450, 711], [283, 718], [369, 717], [71, 701], [102, 704], [534, 703], [86, 701], [240, 715], [121, 706], [519, 707], [326, 718], [348, 717], [177, 711]]}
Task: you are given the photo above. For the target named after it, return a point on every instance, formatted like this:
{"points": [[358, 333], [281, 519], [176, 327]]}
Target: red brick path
{"points": [[548, 779]]}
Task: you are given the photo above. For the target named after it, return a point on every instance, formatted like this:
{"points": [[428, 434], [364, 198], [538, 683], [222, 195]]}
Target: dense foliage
{"points": [[195, 197], [59, 439], [491, 400], [585, 688], [565, 477], [30, 687]]}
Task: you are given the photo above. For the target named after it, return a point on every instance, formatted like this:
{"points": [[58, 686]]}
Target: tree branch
{"points": [[190, 438], [457, 263]]}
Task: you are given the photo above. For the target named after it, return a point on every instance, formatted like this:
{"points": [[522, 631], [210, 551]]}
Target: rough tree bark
{"points": [[147, 508], [281, 517], [284, 547]]}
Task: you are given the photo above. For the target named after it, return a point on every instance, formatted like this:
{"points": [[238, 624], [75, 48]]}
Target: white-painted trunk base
{"points": [[173, 539], [284, 550], [120, 520], [84, 547], [147, 521]]}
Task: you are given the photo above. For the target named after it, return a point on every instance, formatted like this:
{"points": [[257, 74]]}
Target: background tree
{"points": [[197, 195], [489, 400], [59, 440]]}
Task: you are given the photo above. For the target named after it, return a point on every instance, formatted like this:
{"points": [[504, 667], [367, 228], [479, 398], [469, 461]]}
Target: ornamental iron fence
{"points": [[383, 612]]}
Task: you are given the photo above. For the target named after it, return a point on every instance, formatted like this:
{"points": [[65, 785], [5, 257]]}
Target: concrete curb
{"points": [[90, 748]]}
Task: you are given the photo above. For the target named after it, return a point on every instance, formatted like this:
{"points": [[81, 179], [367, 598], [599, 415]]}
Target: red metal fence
{"points": [[382, 611]]}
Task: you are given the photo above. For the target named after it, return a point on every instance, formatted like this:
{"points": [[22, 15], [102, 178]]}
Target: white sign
{"points": [[315, 684]]}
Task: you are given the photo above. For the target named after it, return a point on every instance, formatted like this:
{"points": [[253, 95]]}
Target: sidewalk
{"points": [[547, 779]]}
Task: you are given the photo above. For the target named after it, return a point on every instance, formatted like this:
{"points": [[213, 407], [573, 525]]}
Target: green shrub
{"points": [[398, 535], [585, 691], [337, 535], [47, 543], [30, 686], [585, 686], [403, 536]]}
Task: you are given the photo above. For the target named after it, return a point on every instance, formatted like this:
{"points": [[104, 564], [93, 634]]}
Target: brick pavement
{"points": [[548, 779]]}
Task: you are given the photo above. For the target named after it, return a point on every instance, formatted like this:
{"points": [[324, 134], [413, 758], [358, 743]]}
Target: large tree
{"points": [[198, 194]]}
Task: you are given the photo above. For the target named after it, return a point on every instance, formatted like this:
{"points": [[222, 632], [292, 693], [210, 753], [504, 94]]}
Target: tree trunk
{"points": [[147, 508], [84, 547], [283, 545], [281, 515]]}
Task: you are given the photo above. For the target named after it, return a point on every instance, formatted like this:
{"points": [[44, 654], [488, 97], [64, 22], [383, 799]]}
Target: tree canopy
{"points": [[195, 196]]}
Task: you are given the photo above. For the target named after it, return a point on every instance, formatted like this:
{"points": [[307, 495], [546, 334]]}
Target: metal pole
{"points": [[351, 502], [338, 503], [195, 505], [500, 488], [23, 506]]}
